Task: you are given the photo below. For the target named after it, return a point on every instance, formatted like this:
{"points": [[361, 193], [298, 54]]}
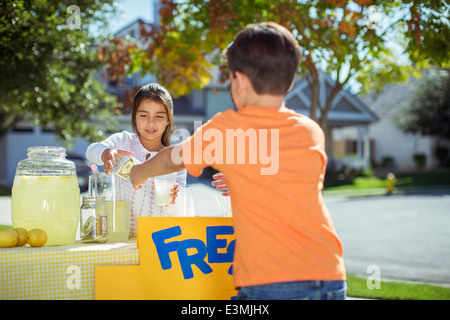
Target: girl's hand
{"points": [[174, 193], [220, 184], [110, 155]]}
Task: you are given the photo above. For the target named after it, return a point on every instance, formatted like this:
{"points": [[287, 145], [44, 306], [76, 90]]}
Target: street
{"points": [[405, 236]]}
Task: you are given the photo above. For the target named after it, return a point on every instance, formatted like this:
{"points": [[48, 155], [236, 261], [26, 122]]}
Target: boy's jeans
{"points": [[298, 290]]}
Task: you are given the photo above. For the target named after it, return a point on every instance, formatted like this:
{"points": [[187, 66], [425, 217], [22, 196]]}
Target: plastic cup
{"points": [[224, 205], [178, 209], [189, 199], [184, 204], [163, 186]]}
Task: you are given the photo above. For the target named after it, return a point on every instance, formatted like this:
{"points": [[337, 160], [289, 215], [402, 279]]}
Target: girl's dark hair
{"points": [[268, 54], [157, 93]]}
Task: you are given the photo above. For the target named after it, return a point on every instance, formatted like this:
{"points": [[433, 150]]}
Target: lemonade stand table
{"points": [[173, 258], [59, 272]]}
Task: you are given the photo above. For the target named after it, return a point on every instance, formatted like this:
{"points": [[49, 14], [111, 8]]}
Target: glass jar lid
{"points": [[46, 151], [46, 161], [87, 199]]}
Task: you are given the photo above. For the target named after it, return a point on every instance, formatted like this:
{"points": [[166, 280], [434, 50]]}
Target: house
{"points": [[347, 111], [393, 149]]}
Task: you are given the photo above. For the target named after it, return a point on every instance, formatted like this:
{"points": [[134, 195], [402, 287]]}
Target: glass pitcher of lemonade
{"points": [[120, 224], [46, 195], [117, 203]]}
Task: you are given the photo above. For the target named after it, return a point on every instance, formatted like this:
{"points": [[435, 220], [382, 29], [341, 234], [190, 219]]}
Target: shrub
{"points": [[441, 154], [387, 161], [420, 159]]}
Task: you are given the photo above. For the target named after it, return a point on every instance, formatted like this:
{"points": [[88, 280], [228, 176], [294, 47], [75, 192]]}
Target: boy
{"points": [[286, 244]]}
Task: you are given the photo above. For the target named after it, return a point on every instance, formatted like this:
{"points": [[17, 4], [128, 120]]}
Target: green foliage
{"points": [[420, 160], [428, 33], [441, 153], [47, 69], [348, 40], [426, 178], [387, 161], [429, 111]]}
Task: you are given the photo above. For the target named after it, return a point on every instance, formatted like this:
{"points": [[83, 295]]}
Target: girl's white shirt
{"points": [[142, 201]]}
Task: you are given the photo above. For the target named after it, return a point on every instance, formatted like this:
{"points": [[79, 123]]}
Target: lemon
{"points": [[8, 238], [22, 236], [36, 237]]}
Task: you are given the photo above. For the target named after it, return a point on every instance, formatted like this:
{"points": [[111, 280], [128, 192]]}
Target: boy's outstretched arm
{"points": [[166, 161]]}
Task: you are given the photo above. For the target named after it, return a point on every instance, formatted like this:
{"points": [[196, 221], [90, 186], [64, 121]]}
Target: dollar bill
{"points": [[125, 169]]}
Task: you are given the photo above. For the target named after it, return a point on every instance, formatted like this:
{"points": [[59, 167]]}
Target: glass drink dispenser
{"points": [[46, 195]]}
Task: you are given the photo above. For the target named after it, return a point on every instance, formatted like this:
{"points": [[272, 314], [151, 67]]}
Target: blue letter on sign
{"points": [[213, 244], [163, 248], [198, 258]]}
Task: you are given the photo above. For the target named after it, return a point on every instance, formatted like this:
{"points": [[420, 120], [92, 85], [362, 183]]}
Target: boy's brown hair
{"points": [[268, 54]]}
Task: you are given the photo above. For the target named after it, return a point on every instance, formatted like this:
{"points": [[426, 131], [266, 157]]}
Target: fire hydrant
{"points": [[390, 182]]}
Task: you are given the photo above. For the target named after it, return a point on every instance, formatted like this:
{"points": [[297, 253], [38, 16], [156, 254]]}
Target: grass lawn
{"points": [[357, 183], [357, 287], [418, 179]]}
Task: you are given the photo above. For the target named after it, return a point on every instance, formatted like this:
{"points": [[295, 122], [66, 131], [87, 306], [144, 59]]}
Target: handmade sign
{"points": [[181, 258]]}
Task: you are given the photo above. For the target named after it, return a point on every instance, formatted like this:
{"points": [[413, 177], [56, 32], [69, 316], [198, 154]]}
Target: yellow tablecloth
{"points": [[59, 272]]}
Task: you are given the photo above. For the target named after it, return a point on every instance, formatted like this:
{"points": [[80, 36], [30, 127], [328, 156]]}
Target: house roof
{"points": [[347, 109], [393, 97], [132, 24]]}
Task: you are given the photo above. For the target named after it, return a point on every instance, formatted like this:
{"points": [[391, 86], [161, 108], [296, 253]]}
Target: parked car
{"points": [[83, 170]]}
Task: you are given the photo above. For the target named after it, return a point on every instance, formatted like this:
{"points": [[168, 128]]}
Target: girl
{"points": [[152, 123]]}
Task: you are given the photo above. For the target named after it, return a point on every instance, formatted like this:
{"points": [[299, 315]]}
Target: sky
{"points": [[129, 11]]}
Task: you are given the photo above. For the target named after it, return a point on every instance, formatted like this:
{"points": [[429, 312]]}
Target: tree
{"points": [[349, 40], [47, 67], [429, 111]]}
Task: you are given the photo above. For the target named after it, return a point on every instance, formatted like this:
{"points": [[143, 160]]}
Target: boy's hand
{"points": [[136, 180], [110, 155], [220, 184]]}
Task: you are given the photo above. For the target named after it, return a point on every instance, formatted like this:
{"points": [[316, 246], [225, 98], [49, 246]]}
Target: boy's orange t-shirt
{"points": [[283, 229]]}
